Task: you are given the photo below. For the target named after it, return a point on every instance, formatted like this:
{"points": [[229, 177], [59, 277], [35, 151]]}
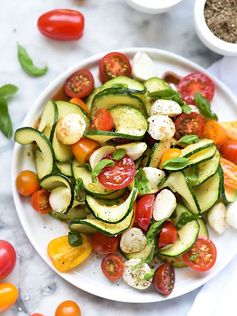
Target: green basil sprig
{"points": [[153, 231], [186, 108], [188, 139], [118, 154], [5, 120], [204, 107], [98, 168], [8, 90], [149, 275], [74, 239], [176, 163], [28, 65]]}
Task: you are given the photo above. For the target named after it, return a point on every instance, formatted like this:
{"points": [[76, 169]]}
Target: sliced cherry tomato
{"points": [[170, 154], [119, 175], [164, 279], [196, 82], [36, 314], [202, 256], [27, 182], [7, 258], [186, 124], [80, 84], [102, 120], [62, 24], [40, 201], [112, 267], [81, 103], [83, 149], [68, 308], [113, 65], [104, 245], [172, 77], [230, 173], [168, 234], [8, 296], [64, 256], [144, 209], [229, 150], [214, 131]]}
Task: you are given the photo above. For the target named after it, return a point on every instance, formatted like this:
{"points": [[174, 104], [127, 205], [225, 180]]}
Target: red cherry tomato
{"points": [[186, 124], [104, 245], [202, 256], [113, 65], [112, 267], [144, 211], [168, 234], [62, 24], [102, 120], [40, 201], [119, 175], [80, 84], [164, 279], [229, 150], [7, 258], [196, 82], [27, 182]]}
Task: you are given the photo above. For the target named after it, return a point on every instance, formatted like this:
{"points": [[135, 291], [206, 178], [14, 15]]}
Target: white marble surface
{"points": [[110, 25]]}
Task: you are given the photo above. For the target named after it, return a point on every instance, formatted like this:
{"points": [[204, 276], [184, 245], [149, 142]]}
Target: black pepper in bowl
{"points": [[221, 18]]}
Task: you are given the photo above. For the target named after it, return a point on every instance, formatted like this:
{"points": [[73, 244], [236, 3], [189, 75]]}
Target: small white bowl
{"points": [[153, 6], [207, 37]]}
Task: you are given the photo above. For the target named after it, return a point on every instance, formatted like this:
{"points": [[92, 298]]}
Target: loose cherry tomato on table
{"points": [[214, 131], [68, 308], [229, 150], [40, 201], [80, 84], [62, 24], [168, 234], [186, 124], [193, 83], [230, 173], [202, 256], [27, 182], [164, 279], [119, 175], [144, 209], [8, 296], [102, 120], [36, 314], [83, 149], [104, 245], [170, 154], [113, 65], [7, 258], [112, 267], [81, 104]]}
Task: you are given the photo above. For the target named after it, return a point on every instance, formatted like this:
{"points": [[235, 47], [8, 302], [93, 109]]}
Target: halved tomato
{"points": [[144, 209], [102, 120], [164, 279], [230, 173], [80, 84], [40, 201], [186, 124], [112, 267]]}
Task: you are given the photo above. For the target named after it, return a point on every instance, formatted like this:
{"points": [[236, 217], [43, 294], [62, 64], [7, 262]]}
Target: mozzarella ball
{"points": [[166, 107], [142, 67], [133, 240], [161, 127], [134, 273], [164, 206]]}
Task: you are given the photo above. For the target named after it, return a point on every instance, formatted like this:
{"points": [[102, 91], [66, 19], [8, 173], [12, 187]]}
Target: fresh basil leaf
{"points": [[74, 239], [204, 107], [149, 275], [176, 163], [153, 231], [79, 191], [8, 90], [188, 139], [5, 120], [118, 154], [28, 65], [98, 168], [185, 108], [141, 182], [161, 94], [185, 218]]}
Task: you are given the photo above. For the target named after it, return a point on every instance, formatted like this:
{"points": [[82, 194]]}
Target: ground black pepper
{"points": [[221, 18]]}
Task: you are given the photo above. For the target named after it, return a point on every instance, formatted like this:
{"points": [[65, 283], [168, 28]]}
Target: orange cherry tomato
{"points": [[214, 131], [102, 120], [83, 149], [68, 308], [40, 201], [8, 296], [230, 173], [64, 256], [36, 314], [27, 182], [170, 154], [230, 129], [81, 103]]}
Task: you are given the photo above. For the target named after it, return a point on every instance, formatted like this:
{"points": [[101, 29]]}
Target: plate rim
{"points": [[38, 102]]}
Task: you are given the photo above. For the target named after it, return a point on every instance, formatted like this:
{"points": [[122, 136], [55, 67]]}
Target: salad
{"points": [[139, 168]]}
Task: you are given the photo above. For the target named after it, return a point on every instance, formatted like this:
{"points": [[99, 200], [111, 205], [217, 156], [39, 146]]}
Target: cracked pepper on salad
{"points": [[139, 168]]}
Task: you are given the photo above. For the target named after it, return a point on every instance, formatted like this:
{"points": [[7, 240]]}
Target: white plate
{"points": [[41, 229]]}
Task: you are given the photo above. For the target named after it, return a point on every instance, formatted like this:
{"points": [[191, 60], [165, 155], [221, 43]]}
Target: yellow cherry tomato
{"points": [[64, 256], [8, 296], [170, 154], [68, 308]]}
